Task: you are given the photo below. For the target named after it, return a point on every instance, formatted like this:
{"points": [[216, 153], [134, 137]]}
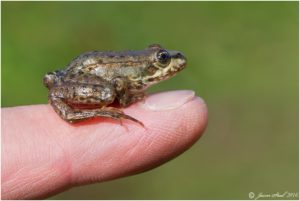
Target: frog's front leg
{"points": [[61, 97], [128, 98], [125, 94]]}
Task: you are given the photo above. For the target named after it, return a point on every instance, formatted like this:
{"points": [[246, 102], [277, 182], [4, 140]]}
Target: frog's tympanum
{"points": [[94, 80]]}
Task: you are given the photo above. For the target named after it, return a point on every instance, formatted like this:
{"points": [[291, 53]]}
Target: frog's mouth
{"points": [[171, 71]]}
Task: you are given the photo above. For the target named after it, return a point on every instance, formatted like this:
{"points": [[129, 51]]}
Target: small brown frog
{"points": [[93, 81]]}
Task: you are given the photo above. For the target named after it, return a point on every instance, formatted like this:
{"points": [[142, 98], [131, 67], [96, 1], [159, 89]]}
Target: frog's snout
{"points": [[179, 55], [182, 59], [179, 60]]}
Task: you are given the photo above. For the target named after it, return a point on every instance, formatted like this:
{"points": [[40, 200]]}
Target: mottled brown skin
{"points": [[95, 80]]}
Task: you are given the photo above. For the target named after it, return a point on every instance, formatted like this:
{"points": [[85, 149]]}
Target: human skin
{"points": [[43, 155]]}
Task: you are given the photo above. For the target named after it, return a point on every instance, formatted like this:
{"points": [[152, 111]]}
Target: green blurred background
{"points": [[242, 59]]}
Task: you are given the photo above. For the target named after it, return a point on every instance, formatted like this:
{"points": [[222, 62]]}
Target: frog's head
{"points": [[164, 64]]}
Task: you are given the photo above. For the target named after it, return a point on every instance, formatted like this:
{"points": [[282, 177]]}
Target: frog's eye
{"points": [[163, 57]]}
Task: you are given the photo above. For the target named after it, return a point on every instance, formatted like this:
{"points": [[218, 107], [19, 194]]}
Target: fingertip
{"points": [[197, 119], [168, 133], [174, 110]]}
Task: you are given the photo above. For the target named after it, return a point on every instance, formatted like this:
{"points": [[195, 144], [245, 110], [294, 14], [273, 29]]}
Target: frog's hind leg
{"points": [[74, 115]]}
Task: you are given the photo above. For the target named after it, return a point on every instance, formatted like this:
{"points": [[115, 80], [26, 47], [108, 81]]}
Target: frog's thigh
{"points": [[91, 94]]}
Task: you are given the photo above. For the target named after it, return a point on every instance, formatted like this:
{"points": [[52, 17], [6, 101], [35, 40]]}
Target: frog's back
{"points": [[110, 58]]}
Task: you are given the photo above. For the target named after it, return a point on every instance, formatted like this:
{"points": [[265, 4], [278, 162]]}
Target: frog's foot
{"points": [[115, 114], [74, 115]]}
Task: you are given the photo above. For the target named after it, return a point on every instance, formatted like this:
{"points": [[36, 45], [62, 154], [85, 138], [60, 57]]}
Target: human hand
{"points": [[43, 155]]}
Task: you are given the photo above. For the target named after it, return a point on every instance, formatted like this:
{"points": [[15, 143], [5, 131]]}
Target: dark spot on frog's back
{"points": [[94, 88], [90, 68], [71, 76], [86, 78]]}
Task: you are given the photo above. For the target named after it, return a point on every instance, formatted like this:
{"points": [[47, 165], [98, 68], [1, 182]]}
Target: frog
{"points": [[93, 82]]}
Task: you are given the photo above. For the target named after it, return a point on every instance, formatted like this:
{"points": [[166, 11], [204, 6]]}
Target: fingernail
{"points": [[168, 100]]}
